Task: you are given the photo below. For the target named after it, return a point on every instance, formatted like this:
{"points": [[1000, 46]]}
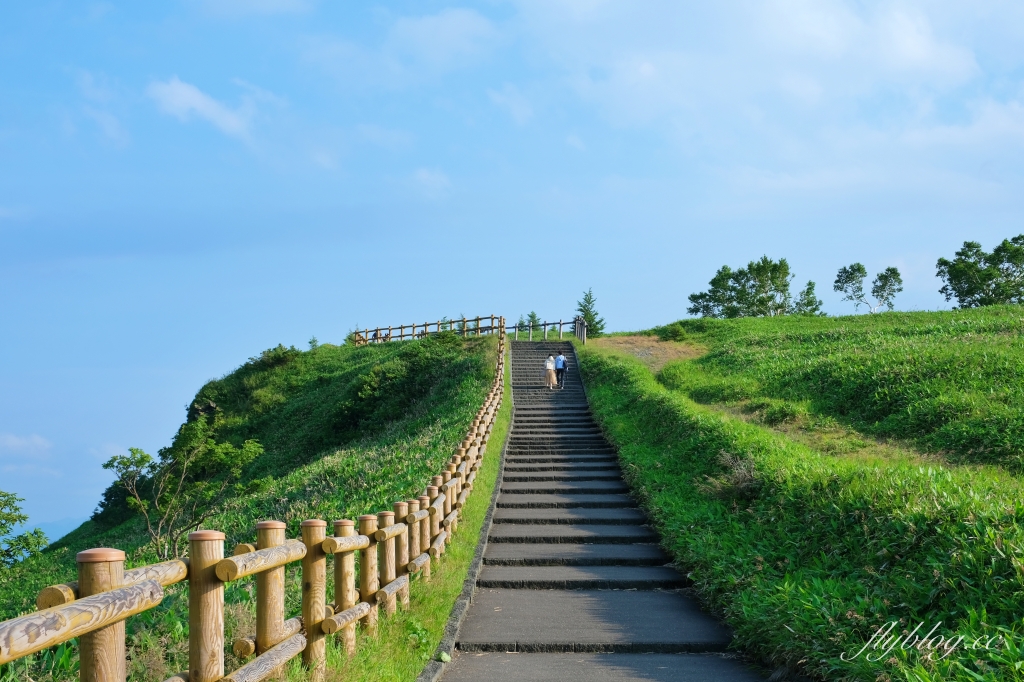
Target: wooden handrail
{"points": [[410, 537]]}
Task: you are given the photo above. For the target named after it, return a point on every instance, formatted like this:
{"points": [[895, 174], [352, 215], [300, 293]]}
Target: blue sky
{"points": [[184, 184]]}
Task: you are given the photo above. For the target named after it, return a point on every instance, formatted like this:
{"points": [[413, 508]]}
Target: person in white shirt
{"points": [[549, 373]]}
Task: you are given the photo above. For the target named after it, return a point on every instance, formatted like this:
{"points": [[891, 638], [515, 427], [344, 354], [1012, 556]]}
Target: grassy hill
{"points": [[820, 478], [345, 431]]}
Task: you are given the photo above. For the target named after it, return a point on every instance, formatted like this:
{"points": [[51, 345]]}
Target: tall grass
{"points": [[951, 381], [807, 555]]}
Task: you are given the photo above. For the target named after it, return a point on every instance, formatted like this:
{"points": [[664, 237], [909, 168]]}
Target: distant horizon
{"points": [[186, 185]]}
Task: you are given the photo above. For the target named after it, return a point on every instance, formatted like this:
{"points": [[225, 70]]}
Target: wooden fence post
{"points": [[531, 332], [102, 652], [425, 526], [559, 330], [314, 597], [386, 558], [545, 331], [413, 506], [435, 519], [402, 540], [269, 591], [368, 571], [345, 594], [205, 607]]}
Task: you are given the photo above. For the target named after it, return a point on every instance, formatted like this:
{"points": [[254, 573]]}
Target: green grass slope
{"points": [[807, 554], [346, 431], [953, 382]]}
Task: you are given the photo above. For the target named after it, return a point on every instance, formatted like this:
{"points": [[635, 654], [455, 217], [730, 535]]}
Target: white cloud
{"points": [[431, 182], [513, 101], [183, 100], [415, 49], [108, 125], [34, 445], [94, 87]]}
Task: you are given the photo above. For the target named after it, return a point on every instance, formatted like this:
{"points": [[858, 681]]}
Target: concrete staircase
{"points": [[574, 585]]}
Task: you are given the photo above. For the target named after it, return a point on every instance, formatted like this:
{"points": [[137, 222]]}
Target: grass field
{"points": [[347, 431], [807, 551]]}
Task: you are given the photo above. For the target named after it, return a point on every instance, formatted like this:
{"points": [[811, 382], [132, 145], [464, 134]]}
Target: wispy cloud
{"points": [[431, 182], [388, 138], [184, 100], [513, 101], [414, 50], [33, 445], [109, 125], [576, 143]]}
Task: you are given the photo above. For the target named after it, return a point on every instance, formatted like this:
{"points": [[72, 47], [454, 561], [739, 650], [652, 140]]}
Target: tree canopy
{"points": [[850, 283], [14, 548], [976, 278], [587, 309], [761, 289]]}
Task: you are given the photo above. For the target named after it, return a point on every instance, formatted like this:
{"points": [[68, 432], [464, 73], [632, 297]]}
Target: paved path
{"points": [[574, 585]]}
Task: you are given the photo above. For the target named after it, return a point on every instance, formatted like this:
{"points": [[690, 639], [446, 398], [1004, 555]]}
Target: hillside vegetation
{"points": [[345, 431], [951, 381], [807, 553]]}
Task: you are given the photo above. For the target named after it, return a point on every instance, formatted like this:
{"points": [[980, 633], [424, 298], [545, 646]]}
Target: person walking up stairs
{"points": [[574, 584]]}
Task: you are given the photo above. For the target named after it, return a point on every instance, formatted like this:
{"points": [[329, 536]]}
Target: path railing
{"points": [[392, 545], [465, 326], [579, 329]]}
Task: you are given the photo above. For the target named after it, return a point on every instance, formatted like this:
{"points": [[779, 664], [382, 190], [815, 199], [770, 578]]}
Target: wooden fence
{"points": [[579, 329], [392, 546], [466, 326]]}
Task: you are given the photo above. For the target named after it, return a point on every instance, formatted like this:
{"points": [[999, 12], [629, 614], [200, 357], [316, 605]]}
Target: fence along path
{"points": [[574, 585], [393, 544]]}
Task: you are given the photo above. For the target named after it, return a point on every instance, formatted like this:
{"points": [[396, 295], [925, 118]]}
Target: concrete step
{"points": [[608, 516], [581, 577], [555, 460], [564, 487], [564, 501], [543, 554], [594, 621], [561, 476], [578, 467], [512, 667], [582, 533]]}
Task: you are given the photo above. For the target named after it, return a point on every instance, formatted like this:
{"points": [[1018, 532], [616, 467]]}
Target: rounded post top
{"points": [[200, 535], [268, 525], [386, 515], [344, 522], [99, 554], [368, 517], [314, 523]]}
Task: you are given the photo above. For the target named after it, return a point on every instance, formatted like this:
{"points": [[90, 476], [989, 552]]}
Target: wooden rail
{"points": [[393, 544], [579, 329], [465, 326]]}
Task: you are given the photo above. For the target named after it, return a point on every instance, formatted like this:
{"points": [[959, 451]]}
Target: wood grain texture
{"points": [[346, 618], [267, 664], [386, 558], [166, 573], [34, 632], [368, 572], [390, 592], [102, 654], [205, 607], [451, 521], [437, 546], [402, 538], [412, 520], [314, 598], [180, 677], [245, 565], [336, 544], [392, 531], [244, 647], [269, 593], [345, 593]]}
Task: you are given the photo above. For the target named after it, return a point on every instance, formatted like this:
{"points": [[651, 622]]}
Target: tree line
{"points": [[973, 277]]}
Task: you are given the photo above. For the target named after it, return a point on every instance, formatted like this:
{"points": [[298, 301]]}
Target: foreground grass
{"points": [[409, 403], [952, 381], [807, 555]]}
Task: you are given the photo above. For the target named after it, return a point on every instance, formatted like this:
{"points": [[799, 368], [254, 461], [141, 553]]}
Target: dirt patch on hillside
{"points": [[651, 350]]}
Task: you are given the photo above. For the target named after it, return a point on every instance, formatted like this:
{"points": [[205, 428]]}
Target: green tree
{"points": [[850, 283], [587, 309], [185, 484], [761, 289], [14, 548], [807, 302], [533, 319], [976, 278]]}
